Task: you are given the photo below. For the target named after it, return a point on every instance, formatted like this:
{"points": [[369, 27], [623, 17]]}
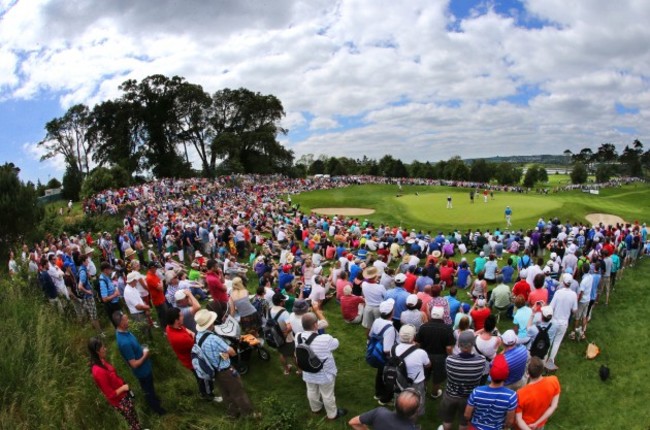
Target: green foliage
{"points": [[579, 173], [534, 174], [100, 179], [507, 173], [317, 167], [456, 170], [53, 183], [72, 180], [604, 172], [19, 208], [481, 171]]}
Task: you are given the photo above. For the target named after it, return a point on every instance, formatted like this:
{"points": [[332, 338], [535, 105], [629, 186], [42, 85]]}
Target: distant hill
{"points": [[524, 159]]}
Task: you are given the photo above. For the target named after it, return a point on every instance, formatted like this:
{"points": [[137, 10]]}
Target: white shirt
{"points": [[132, 299], [532, 272], [296, 323], [317, 293], [322, 346], [390, 335], [585, 287], [415, 362], [564, 303], [373, 293]]}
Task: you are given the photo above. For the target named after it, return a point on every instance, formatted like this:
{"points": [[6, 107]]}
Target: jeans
{"points": [[146, 383]]}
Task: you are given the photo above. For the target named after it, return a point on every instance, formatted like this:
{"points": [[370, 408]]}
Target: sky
{"points": [[415, 79]]}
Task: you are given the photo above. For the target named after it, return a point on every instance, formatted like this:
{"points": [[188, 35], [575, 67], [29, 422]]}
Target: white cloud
{"points": [[54, 166], [413, 85]]}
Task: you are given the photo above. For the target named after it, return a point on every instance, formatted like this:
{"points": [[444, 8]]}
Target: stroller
{"points": [[244, 345]]}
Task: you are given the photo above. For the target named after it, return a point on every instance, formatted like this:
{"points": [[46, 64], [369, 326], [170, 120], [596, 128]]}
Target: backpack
{"points": [[306, 359], [75, 287], [395, 374], [272, 332], [375, 356], [525, 263], [541, 343], [200, 363]]}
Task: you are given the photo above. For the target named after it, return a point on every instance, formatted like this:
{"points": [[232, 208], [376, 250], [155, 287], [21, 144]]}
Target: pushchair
{"points": [[244, 345]]}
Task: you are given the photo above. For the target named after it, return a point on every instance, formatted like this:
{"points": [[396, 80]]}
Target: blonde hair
{"points": [[238, 284]]}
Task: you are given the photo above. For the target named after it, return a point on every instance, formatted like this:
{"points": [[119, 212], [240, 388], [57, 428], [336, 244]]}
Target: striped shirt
{"points": [[464, 372], [322, 346], [491, 406], [516, 358]]}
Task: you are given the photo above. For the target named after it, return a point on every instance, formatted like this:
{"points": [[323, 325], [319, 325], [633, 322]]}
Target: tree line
{"points": [[605, 162]]}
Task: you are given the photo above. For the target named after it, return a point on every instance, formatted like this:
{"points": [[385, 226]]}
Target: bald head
{"points": [[407, 404], [309, 321]]}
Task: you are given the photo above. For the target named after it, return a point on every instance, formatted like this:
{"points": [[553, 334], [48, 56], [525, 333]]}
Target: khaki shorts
{"points": [[582, 311], [370, 314]]}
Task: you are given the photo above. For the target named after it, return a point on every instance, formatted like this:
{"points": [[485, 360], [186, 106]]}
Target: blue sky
{"points": [[417, 79]]}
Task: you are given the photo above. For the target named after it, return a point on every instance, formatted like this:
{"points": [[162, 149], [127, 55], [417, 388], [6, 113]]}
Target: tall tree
{"points": [[194, 109], [606, 153], [153, 103], [68, 136], [480, 171], [19, 208], [246, 126], [579, 173], [631, 158]]}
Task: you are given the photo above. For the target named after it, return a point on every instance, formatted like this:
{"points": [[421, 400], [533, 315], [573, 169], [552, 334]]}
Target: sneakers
{"points": [[550, 365], [436, 395], [339, 413]]}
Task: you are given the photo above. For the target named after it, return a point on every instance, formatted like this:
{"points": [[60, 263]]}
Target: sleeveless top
{"points": [[244, 307]]}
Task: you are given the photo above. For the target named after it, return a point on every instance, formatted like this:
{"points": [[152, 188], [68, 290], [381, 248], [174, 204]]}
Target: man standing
{"points": [[493, 406], [404, 417], [218, 354], [516, 357], [508, 216], [584, 296], [564, 303], [320, 385], [110, 295], [157, 293], [383, 327], [449, 206], [538, 400], [47, 285], [464, 373], [416, 360], [138, 360], [399, 294], [437, 339], [88, 300]]}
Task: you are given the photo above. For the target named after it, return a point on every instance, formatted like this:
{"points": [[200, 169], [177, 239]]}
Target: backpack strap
{"points": [[205, 336], [277, 316], [383, 330], [311, 338], [407, 352], [479, 351]]}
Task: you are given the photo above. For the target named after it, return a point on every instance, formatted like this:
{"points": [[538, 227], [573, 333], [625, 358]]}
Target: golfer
{"points": [[508, 216]]}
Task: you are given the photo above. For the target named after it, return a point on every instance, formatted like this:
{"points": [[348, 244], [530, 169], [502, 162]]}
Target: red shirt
{"points": [[409, 284], [340, 285], [108, 381], [446, 275], [350, 307], [521, 288], [479, 316], [216, 287], [181, 342], [540, 294], [153, 285]]}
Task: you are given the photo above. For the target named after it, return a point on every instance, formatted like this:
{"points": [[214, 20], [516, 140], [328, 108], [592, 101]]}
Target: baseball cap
{"points": [[386, 306], [480, 302], [466, 338], [412, 300], [179, 295], [567, 278], [523, 273], [547, 311], [400, 278], [437, 312], [499, 370], [407, 333], [509, 338]]}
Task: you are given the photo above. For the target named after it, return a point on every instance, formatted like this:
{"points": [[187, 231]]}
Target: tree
{"points": [[68, 136], [606, 153], [385, 166], [508, 174], [72, 180], [53, 183], [246, 126], [399, 170], [317, 167], [579, 173], [153, 108], [194, 109], [456, 169], [98, 180], [19, 208], [604, 172], [631, 158], [480, 171], [117, 133]]}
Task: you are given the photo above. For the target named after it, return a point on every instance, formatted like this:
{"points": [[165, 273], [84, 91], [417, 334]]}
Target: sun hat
{"points": [[170, 275], [480, 303], [371, 272], [129, 252], [204, 318], [133, 276], [197, 254], [436, 254], [88, 250]]}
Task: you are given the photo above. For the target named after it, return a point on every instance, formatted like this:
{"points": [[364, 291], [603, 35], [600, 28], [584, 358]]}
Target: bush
{"points": [[72, 180], [579, 173]]}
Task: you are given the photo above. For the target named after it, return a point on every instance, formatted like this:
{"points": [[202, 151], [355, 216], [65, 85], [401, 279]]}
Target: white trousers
{"points": [[320, 395]]}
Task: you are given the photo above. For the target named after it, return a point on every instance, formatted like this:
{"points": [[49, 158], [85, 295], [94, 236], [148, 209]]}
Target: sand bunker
{"points": [[606, 219], [344, 211]]}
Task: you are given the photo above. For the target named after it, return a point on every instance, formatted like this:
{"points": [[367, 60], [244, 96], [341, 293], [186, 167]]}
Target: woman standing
{"points": [[240, 303], [112, 386]]}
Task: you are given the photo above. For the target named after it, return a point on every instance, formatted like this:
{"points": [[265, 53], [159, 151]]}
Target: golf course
{"points": [[48, 384]]}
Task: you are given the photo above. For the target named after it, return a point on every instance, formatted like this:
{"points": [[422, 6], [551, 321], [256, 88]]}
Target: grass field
{"points": [[46, 383], [427, 210]]}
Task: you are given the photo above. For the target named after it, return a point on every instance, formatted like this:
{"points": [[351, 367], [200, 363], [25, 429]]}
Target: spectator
{"points": [[157, 292], [109, 294], [383, 326], [399, 294], [403, 418], [479, 313], [413, 314], [351, 306], [564, 305], [537, 401], [436, 338], [516, 356], [416, 360]]}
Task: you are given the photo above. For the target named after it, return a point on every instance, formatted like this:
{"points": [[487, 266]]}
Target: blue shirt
{"points": [[399, 294], [454, 305], [106, 288], [516, 358], [212, 347], [131, 350], [506, 272], [491, 406], [83, 279]]}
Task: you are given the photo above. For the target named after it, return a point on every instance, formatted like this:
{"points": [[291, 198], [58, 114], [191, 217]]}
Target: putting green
{"points": [[432, 207], [424, 207]]}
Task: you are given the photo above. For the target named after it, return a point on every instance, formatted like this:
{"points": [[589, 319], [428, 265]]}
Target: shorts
{"points": [[370, 314], [287, 349], [452, 408], [605, 283], [582, 310], [88, 307]]}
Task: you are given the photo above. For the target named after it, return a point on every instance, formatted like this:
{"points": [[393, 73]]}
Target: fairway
{"points": [[424, 207]]}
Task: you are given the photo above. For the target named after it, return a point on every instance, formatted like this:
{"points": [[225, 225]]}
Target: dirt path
{"points": [[606, 219], [344, 211]]}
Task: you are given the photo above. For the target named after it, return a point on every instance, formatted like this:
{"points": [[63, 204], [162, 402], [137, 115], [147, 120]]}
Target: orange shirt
{"points": [[535, 399], [153, 285]]}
